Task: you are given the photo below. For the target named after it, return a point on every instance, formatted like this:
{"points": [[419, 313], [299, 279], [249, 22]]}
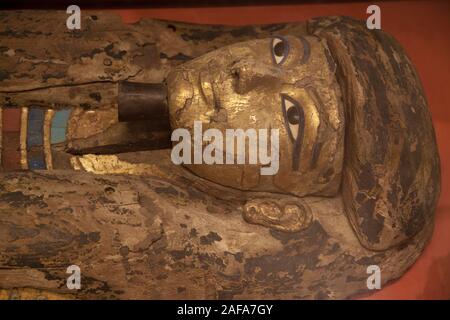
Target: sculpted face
{"points": [[287, 83]]}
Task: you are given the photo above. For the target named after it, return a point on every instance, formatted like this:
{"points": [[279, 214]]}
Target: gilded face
{"points": [[286, 83]]}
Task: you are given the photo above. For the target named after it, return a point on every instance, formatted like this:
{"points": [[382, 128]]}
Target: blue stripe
{"points": [[35, 128], [59, 126], [36, 161]]}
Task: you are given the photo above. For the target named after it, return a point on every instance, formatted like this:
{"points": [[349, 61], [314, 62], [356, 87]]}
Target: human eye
{"points": [[280, 49], [294, 117], [294, 121]]}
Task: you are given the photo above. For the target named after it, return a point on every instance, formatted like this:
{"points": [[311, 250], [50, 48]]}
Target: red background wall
{"points": [[423, 28]]}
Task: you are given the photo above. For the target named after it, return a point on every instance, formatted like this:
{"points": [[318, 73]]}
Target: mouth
{"points": [[180, 91], [193, 95], [208, 90]]}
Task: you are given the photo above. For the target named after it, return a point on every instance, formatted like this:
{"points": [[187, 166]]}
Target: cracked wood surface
{"points": [[160, 236], [82, 67], [165, 233]]}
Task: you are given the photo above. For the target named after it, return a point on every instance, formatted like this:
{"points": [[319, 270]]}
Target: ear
{"points": [[278, 214]]}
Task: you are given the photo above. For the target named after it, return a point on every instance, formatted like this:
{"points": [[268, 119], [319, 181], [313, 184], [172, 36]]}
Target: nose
{"points": [[243, 75], [249, 75]]}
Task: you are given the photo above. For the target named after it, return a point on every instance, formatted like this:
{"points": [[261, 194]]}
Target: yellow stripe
{"points": [[47, 146], [23, 138]]}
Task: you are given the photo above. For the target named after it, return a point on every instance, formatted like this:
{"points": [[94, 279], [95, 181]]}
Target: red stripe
{"points": [[11, 120], [11, 139], [11, 151]]}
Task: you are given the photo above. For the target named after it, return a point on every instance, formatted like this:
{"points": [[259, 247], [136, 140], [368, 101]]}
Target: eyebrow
{"points": [[306, 50]]}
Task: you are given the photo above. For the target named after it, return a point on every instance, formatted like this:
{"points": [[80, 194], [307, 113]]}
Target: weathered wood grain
{"points": [[164, 233], [160, 237]]}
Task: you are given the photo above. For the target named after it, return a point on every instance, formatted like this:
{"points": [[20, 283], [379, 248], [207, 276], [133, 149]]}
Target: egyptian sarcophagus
{"points": [[120, 154]]}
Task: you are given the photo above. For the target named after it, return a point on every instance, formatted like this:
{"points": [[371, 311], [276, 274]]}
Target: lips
{"points": [[207, 88]]}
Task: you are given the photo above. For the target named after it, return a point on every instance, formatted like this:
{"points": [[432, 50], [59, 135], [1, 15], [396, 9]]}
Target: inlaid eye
{"points": [[293, 116], [280, 49], [294, 122]]}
